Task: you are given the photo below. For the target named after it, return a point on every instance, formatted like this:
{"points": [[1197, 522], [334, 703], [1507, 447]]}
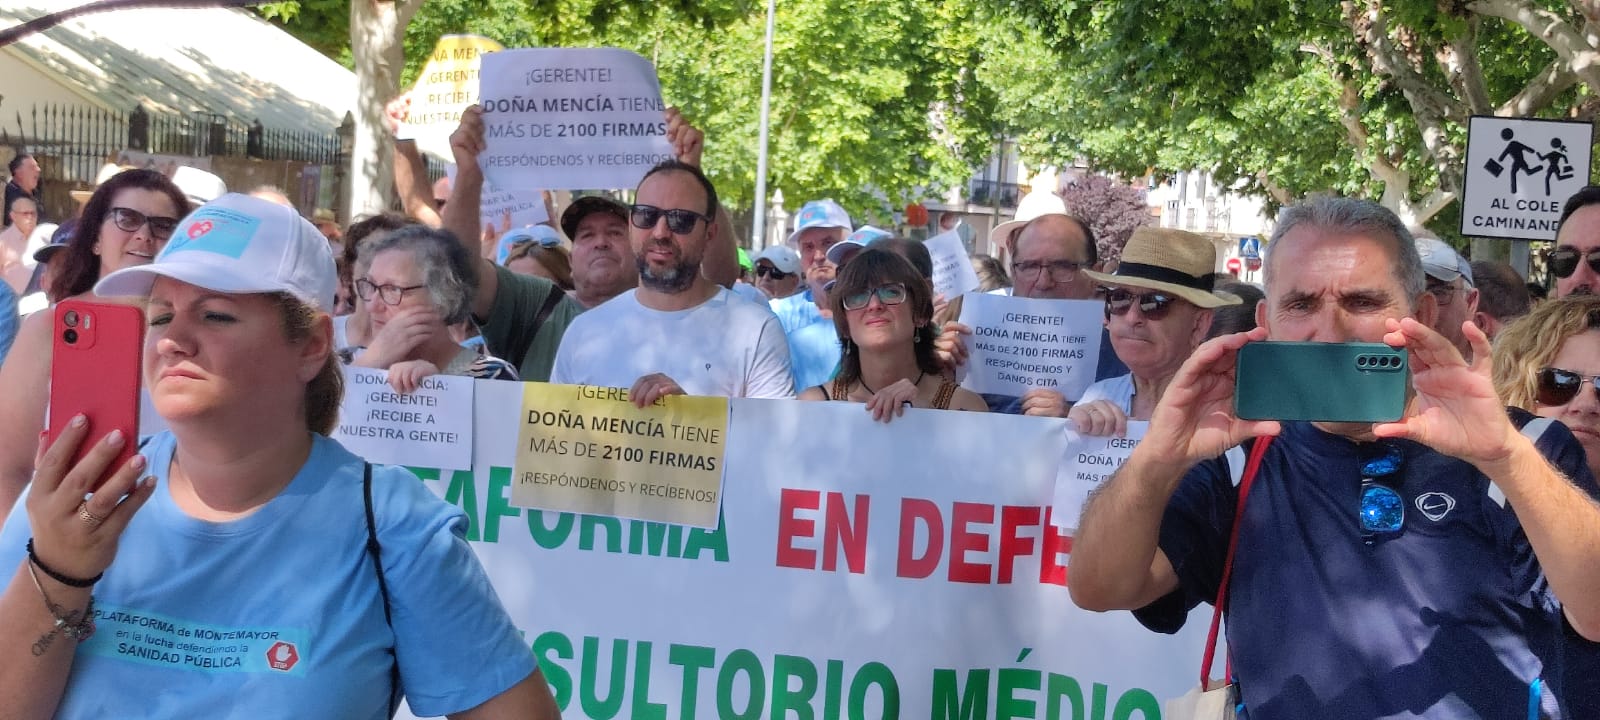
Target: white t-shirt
{"points": [[1119, 390], [723, 347]]}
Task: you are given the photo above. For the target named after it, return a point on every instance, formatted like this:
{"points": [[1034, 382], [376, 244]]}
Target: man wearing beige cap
{"points": [[1158, 310]]}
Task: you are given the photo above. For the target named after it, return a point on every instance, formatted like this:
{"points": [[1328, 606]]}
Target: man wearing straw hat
{"points": [[1158, 310]]}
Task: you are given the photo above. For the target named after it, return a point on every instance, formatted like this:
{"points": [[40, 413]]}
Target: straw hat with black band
{"points": [[1172, 261]]}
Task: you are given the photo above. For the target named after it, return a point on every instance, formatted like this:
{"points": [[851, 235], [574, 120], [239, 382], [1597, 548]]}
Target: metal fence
{"points": [[81, 138]]}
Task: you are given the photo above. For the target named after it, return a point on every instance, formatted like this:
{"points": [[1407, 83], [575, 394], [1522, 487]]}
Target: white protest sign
{"points": [[1519, 172], [526, 206], [447, 84], [424, 428], [571, 118], [952, 269], [1086, 464], [1021, 344], [904, 581]]}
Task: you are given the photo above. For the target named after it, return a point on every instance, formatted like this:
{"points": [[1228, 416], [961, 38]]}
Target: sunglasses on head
{"points": [[774, 273], [1153, 305], [891, 294], [679, 221], [1564, 260], [1559, 387], [130, 220], [1382, 511]]}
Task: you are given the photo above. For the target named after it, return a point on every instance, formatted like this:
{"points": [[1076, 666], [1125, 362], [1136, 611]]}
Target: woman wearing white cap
{"points": [[240, 576], [1158, 310], [125, 223]]}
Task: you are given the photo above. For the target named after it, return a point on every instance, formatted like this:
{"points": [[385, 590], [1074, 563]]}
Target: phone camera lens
{"points": [[1363, 361], [71, 336], [70, 318]]}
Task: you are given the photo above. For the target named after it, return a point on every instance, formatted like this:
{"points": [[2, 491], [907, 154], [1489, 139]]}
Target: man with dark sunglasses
{"points": [[778, 271], [1575, 261], [678, 333], [1421, 568]]}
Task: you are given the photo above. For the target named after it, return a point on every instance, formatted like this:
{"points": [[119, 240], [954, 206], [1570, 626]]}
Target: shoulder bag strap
{"points": [[376, 551], [549, 306], [1257, 450]]}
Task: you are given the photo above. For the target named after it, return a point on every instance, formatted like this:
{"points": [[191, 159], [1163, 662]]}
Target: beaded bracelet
{"points": [[68, 580]]}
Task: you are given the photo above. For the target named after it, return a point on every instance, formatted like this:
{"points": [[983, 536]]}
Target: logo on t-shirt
{"points": [[1435, 505], [282, 656]]}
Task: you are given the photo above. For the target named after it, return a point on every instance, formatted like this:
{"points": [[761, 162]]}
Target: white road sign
{"points": [[1519, 172]]}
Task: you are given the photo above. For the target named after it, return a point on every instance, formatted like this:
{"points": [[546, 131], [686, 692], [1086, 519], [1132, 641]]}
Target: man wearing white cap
{"points": [[778, 271], [1450, 281], [819, 225]]}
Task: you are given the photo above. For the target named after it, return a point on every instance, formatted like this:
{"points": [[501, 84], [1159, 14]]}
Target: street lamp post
{"points": [[758, 233]]}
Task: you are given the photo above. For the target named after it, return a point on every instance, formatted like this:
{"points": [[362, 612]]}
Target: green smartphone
{"points": [[1322, 382]]}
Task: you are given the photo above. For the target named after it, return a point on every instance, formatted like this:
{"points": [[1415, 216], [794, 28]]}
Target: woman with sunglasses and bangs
{"points": [[1158, 310], [883, 312], [125, 223], [1547, 363]]}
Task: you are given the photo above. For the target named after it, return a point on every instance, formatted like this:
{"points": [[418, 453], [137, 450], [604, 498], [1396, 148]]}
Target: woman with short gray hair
{"points": [[417, 284]]}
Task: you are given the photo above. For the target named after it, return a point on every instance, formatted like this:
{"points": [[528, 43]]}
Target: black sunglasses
{"points": [[766, 270], [1153, 306], [1564, 260], [130, 220], [679, 221], [1559, 387]]}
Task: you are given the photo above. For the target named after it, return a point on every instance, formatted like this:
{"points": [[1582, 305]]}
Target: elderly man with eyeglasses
{"points": [[1049, 255], [1450, 282], [1422, 568]]}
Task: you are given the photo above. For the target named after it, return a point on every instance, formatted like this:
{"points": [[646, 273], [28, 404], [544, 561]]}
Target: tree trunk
{"points": [[377, 28]]}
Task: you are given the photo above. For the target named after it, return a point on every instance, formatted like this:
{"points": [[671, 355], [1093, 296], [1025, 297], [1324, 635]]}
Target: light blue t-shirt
{"points": [[278, 614], [814, 354], [796, 311]]}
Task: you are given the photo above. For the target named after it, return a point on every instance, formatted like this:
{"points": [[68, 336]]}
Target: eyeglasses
{"points": [[391, 294], [129, 220], [1559, 387], [891, 294], [1444, 293], [1564, 260], [1153, 306], [679, 221], [768, 270], [1383, 511], [1060, 270]]}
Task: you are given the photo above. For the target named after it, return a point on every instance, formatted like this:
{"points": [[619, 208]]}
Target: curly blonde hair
{"points": [[1532, 342]]}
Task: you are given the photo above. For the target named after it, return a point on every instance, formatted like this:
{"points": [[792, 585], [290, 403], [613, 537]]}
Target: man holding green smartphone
{"points": [[1421, 568]]}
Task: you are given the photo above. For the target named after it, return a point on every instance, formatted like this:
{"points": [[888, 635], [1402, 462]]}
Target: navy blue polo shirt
{"points": [[1450, 618]]}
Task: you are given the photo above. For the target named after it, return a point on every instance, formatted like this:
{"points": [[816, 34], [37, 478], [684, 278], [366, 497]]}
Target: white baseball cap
{"points": [[857, 240], [819, 214], [198, 185], [239, 245], [1034, 205], [782, 257], [1442, 262]]}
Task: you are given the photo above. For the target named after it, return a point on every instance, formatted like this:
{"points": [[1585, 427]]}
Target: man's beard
{"points": [[677, 279]]}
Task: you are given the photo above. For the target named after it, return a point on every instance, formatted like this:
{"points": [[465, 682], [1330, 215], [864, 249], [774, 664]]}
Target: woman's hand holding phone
{"points": [[76, 518]]}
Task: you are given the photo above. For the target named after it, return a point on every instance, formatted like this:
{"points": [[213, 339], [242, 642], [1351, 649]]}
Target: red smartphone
{"points": [[94, 371]]}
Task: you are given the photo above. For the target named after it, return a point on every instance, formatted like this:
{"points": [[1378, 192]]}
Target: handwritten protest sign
{"points": [[422, 428], [1019, 344], [526, 207], [447, 84], [571, 118], [952, 269], [1086, 464], [589, 450]]}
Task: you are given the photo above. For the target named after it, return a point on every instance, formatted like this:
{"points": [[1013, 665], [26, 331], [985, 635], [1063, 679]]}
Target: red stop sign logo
{"points": [[282, 656], [1234, 265]]}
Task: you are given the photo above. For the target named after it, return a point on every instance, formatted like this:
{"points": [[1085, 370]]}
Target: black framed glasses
{"points": [[1383, 510], [774, 273], [390, 294], [1559, 387], [1153, 305], [1564, 260], [1060, 270], [130, 220], [679, 221], [891, 294]]}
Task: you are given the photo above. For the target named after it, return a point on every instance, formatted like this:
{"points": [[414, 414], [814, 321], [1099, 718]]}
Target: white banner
{"points": [[952, 269], [892, 577], [571, 118], [424, 428], [1022, 344]]}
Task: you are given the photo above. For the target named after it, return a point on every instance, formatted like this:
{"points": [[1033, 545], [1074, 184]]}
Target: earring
{"points": [[848, 344], [916, 336]]}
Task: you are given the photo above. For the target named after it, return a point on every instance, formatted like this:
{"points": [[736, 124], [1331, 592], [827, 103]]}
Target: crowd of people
{"points": [[1478, 597]]}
